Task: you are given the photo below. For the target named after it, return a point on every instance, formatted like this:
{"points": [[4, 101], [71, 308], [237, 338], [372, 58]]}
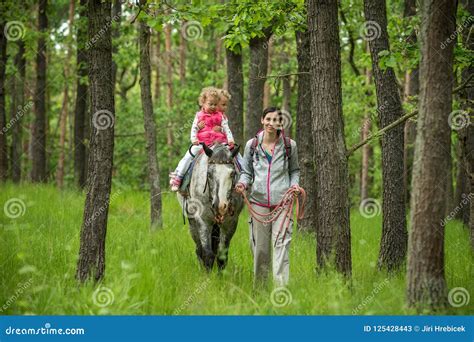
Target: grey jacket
{"points": [[269, 181]]}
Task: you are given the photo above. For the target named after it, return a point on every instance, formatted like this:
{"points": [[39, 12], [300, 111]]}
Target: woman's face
{"points": [[210, 105], [271, 122]]}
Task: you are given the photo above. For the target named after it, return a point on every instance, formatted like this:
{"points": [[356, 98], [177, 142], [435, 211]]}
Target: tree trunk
{"points": [[266, 88], [157, 68], [116, 20], [467, 133], [367, 152], [425, 273], [3, 115], [182, 59], [304, 138], [411, 89], [235, 83], [65, 107], [80, 121], [169, 67], [150, 127], [393, 245], [38, 172], [332, 183], [256, 84], [91, 261]]}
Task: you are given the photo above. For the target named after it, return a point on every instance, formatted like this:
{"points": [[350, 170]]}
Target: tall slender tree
{"points": [[304, 138], [256, 83], [393, 244], [80, 122], [150, 127], [91, 261], [426, 280], [3, 116], [333, 232], [38, 136], [235, 85]]}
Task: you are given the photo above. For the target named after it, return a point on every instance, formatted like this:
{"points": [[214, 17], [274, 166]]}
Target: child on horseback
{"points": [[210, 125]]}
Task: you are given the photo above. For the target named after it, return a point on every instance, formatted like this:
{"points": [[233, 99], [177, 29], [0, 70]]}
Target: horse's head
{"points": [[221, 177]]}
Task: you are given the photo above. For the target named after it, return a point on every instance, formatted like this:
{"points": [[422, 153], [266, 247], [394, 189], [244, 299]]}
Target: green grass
{"points": [[158, 273]]}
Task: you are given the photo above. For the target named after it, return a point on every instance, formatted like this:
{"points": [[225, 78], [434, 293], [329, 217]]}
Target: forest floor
{"points": [[158, 273]]}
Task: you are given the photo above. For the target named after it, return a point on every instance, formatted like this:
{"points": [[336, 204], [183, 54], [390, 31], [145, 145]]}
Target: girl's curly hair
{"points": [[225, 93], [208, 92]]}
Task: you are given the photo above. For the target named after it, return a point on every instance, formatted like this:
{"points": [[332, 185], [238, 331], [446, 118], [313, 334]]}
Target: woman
{"points": [[270, 166]]}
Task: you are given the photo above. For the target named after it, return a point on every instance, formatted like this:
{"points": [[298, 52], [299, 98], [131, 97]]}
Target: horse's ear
{"points": [[235, 151], [207, 150]]}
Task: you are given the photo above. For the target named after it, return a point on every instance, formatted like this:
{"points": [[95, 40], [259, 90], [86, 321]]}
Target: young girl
{"points": [[209, 126]]}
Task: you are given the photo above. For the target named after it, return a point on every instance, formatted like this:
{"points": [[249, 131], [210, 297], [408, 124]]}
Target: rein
{"points": [[285, 205]]}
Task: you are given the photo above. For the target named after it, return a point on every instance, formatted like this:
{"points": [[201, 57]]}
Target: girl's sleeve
{"points": [[194, 129], [226, 128]]}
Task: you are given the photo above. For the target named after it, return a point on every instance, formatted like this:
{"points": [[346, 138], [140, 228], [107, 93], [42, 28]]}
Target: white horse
{"points": [[213, 207]]}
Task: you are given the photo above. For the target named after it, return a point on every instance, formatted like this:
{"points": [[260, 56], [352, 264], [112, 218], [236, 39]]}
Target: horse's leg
{"points": [[224, 243], [205, 235], [194, 230]]}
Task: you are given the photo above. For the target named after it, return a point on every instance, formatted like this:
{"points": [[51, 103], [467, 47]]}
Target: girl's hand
{"points": [[231, 145], [217, 128], [196, 142], [201, 124]]}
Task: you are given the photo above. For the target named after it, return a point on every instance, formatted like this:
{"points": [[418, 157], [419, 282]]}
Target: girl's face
{"points": [[223, 104], [210, 105], [271, 122]]}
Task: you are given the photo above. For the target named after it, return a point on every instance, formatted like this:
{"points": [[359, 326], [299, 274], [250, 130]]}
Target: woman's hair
{"points": [[270, 110], [209, 92]]}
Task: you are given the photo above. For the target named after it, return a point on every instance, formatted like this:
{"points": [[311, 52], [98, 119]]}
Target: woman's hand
{"points": [[240, 188], [296, 190]]}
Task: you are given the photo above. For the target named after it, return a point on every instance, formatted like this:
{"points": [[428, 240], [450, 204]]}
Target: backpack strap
{"points": [[287, 142]]}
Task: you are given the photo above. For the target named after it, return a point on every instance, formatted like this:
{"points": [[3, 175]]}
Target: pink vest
{"points": [[207, 135]]}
